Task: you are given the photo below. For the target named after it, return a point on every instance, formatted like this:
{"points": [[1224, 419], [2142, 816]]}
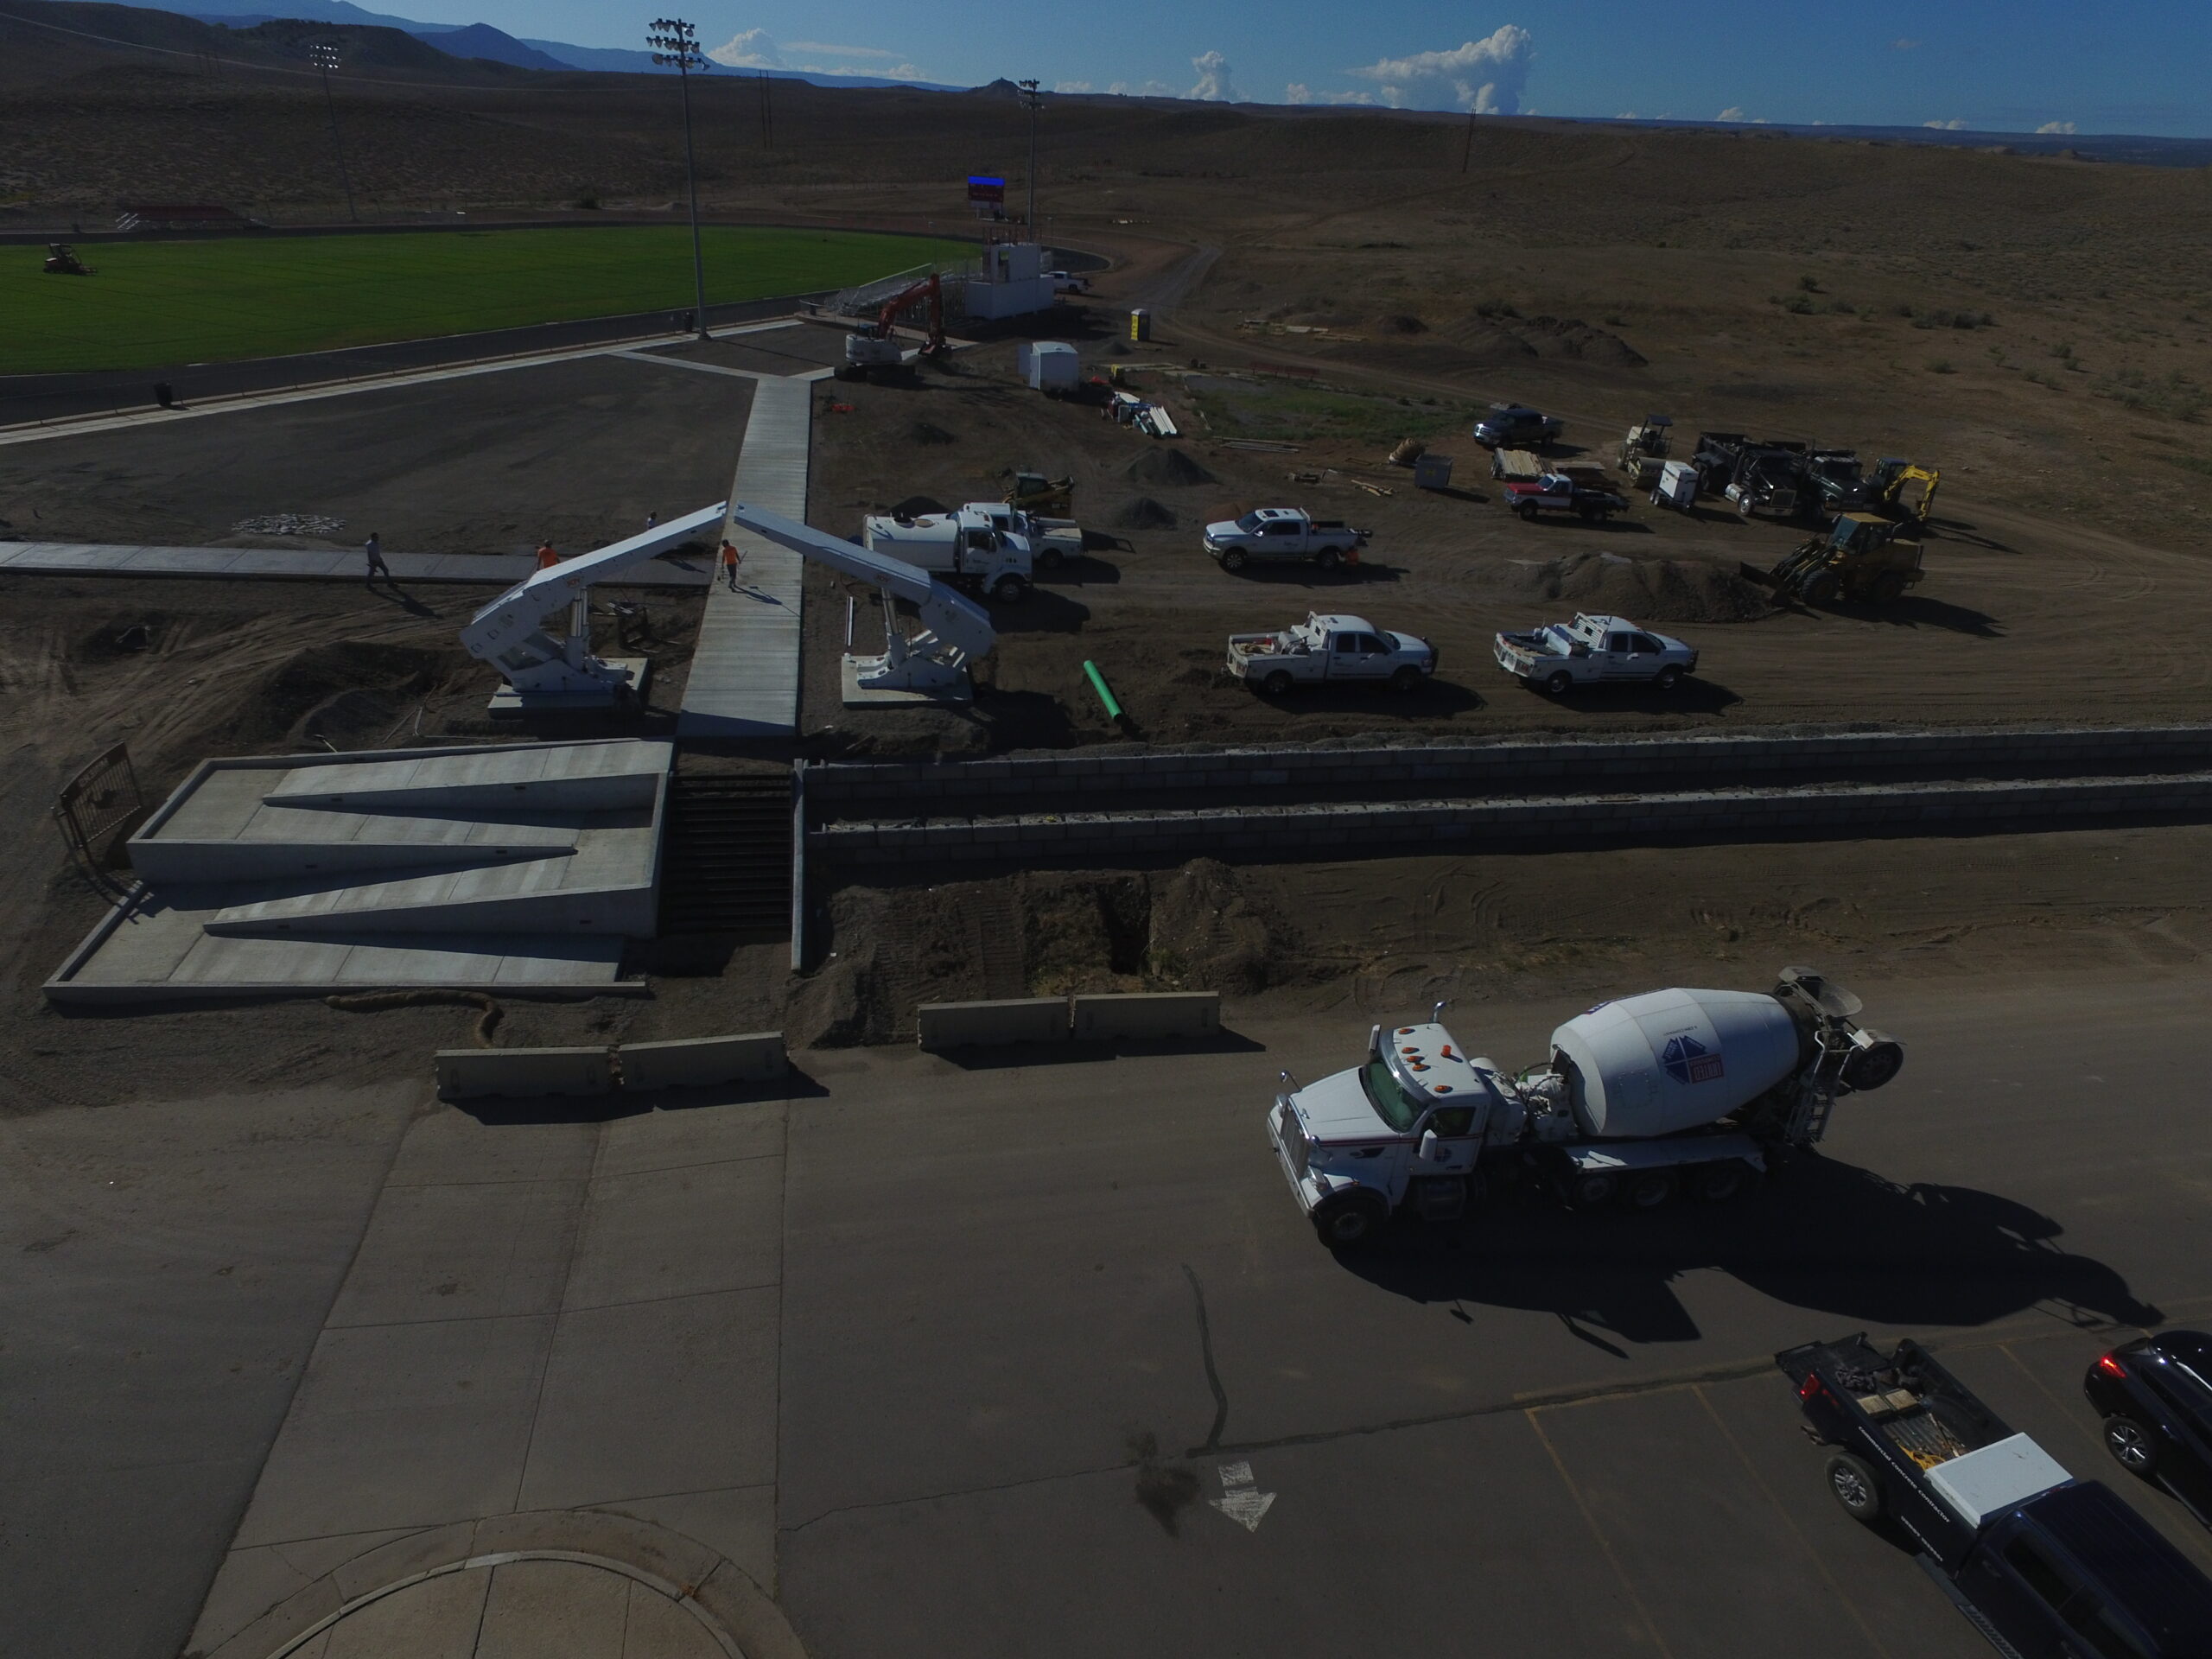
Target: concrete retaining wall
{"points": [[836, 790], [469, 1073], [688, 1062], [1690, 815], [1144, 1014], [991, 1025]]}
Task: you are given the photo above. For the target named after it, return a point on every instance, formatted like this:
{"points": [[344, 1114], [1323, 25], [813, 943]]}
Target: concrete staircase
{"points": [[726, 863]]}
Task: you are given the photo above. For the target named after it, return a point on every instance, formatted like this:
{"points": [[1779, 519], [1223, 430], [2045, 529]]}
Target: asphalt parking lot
{"points": [[1003, 1357]]}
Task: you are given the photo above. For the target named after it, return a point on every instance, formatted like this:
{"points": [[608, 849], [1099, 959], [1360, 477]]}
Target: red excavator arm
{"points": [[930, 289]]}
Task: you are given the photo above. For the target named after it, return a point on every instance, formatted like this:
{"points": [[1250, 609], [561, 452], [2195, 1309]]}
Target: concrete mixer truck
{"points": [[1678, 1090]]}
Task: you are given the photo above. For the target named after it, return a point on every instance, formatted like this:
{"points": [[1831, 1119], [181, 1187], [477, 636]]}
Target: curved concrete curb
{"points": [[727, 1604]]}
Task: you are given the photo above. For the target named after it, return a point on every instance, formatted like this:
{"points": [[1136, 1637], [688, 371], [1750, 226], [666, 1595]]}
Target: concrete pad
{"points": [[657, 1628], [708, 1134], [450, 1147], [398, 1425], [667, 1397], [199, 561], [538, 1609], [739, 1523], [437, 1618], [680, 1231], [453, 1252], [856, 697]]}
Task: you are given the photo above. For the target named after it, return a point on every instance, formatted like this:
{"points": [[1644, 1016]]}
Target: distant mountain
{"points": [[614, 59], [313, 11], [482, 40]]}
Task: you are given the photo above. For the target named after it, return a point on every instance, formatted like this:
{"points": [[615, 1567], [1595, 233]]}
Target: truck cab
{"points": [[2041, 1563]]}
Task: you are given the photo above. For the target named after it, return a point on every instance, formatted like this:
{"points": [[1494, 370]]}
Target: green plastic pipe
{"points": [[1098, 684]]}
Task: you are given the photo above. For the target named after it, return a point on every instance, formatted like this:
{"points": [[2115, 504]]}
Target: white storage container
{"points": [[1049, 365]]}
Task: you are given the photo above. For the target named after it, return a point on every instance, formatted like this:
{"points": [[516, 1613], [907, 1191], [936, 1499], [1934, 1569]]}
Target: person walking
{"points": [[547, 558], [652, 519], [731, 559], [374, 548]]}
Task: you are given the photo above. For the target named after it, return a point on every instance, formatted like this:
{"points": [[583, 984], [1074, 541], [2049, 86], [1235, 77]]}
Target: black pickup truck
{"points": [[2046, 1566]]}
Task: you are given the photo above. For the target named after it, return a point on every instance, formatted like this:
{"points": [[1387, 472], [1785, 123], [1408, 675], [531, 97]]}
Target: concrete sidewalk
{"points": [[262, 563], [744, 677]]}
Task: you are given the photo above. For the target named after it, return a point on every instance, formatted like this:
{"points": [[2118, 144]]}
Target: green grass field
{"points": [[154, 304]]}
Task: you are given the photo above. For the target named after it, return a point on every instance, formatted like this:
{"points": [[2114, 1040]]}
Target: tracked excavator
{"points": [[874, 352], [510, 633]]}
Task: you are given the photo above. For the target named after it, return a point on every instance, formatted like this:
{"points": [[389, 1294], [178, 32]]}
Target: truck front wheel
{"points": [[1009, 590], [1350, 1220], [1856, 1486], [1233, 559], [1528, 511], [1560, 683], [1668, 677], [1406, 681]]}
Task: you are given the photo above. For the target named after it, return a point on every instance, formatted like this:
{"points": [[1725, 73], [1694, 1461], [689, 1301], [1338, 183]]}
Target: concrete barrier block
{"points": [[991, 1025], [689, 1062], [470, 1073], [1144, 1014]]}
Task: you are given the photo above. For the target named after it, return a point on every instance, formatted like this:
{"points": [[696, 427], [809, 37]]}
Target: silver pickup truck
{"points": [[1563, 655], [1332, 648]]}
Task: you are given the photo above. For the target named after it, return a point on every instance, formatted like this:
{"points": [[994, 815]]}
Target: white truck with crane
{"points": [[1559, 656], [979, 549], [509, 633], [1640, 1099], [1278, 534]]}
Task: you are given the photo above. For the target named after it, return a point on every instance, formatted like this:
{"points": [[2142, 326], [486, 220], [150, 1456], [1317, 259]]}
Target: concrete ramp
{"points": [[508, 866]]}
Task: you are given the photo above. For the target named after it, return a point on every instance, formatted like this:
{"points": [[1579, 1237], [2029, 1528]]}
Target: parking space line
{"points": [[1604, 1544], [1820, 1561]]}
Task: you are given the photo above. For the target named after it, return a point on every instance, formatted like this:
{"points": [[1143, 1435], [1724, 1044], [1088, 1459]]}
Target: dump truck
{"points": [[1862, 556], [2038, 1561], [1642, 1099], [966, 549], [1339, 650], [1559, 656], [1275, 534]]}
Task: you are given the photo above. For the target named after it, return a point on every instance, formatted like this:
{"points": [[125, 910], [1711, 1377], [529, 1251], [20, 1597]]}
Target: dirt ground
{"points": [[2014, 622]]}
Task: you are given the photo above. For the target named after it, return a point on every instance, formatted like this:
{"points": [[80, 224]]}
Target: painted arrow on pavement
{"points": [[1240, 1500]]}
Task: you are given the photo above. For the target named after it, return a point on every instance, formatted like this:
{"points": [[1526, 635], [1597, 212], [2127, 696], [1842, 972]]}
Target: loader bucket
{"points": [[1752, 572]]}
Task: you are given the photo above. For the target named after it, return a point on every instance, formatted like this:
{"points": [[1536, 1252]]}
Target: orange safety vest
{"points": [[547, 558]]}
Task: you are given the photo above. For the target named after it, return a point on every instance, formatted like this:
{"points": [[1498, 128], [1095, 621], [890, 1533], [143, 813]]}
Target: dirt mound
{"points": [[1572, 337], [1644, 590], [928, 434], [1169, 468], [1481, 340], [916, 506], [348, 692], [1208, 934], [1144, 513], [1401, 323]]}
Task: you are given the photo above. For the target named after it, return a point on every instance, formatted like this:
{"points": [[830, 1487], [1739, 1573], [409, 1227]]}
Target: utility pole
{"points": [[1467, 148], [325, 54], [676, 45], [1034, 99], [767, 113]]}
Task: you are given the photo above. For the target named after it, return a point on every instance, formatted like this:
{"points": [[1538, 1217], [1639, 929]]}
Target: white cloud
{"points": [[1298, 92], [1945, 126], [838, 51], [1731, 113], [1140, 89], [903, 72], [1626, 115], [2056, 127], [1071, 86], [1485, 76], [751, 49], [1214, 85]]}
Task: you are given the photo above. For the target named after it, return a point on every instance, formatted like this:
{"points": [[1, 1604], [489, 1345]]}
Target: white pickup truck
{"points": [[1283, 533], [1563, 655], [1334, 649], [966, 549]]}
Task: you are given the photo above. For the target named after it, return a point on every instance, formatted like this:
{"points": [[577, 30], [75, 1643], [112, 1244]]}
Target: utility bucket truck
{"points": [[1641, 1099]]}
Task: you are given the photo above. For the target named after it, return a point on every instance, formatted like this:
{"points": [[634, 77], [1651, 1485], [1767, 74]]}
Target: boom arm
{"points": [[509, 632], [956, 629]]}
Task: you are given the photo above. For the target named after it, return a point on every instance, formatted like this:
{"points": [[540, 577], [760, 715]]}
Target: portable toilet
{"points": [[1432, 472], [1140, 324], [1049, 365]]}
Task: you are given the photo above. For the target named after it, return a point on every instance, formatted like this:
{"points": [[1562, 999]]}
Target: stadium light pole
{"points": [[1036, 100], [676, 45], [325, 55]]}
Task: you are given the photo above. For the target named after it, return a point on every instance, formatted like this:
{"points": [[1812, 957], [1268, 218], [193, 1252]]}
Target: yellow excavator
{"points": [[1893, 475], [1040, 496]]}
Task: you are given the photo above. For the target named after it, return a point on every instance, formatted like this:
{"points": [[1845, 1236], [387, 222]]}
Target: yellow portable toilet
{"points": [[1139, 324]]}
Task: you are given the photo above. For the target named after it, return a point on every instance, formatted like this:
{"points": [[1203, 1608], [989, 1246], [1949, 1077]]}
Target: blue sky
{"points": [[2120, 66]]}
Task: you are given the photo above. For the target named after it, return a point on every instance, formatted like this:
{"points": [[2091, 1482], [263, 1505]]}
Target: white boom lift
{"points": [[509, 632]]}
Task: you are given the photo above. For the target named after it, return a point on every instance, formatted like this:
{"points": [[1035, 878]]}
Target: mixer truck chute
{"points": [[1640, 1099]]}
